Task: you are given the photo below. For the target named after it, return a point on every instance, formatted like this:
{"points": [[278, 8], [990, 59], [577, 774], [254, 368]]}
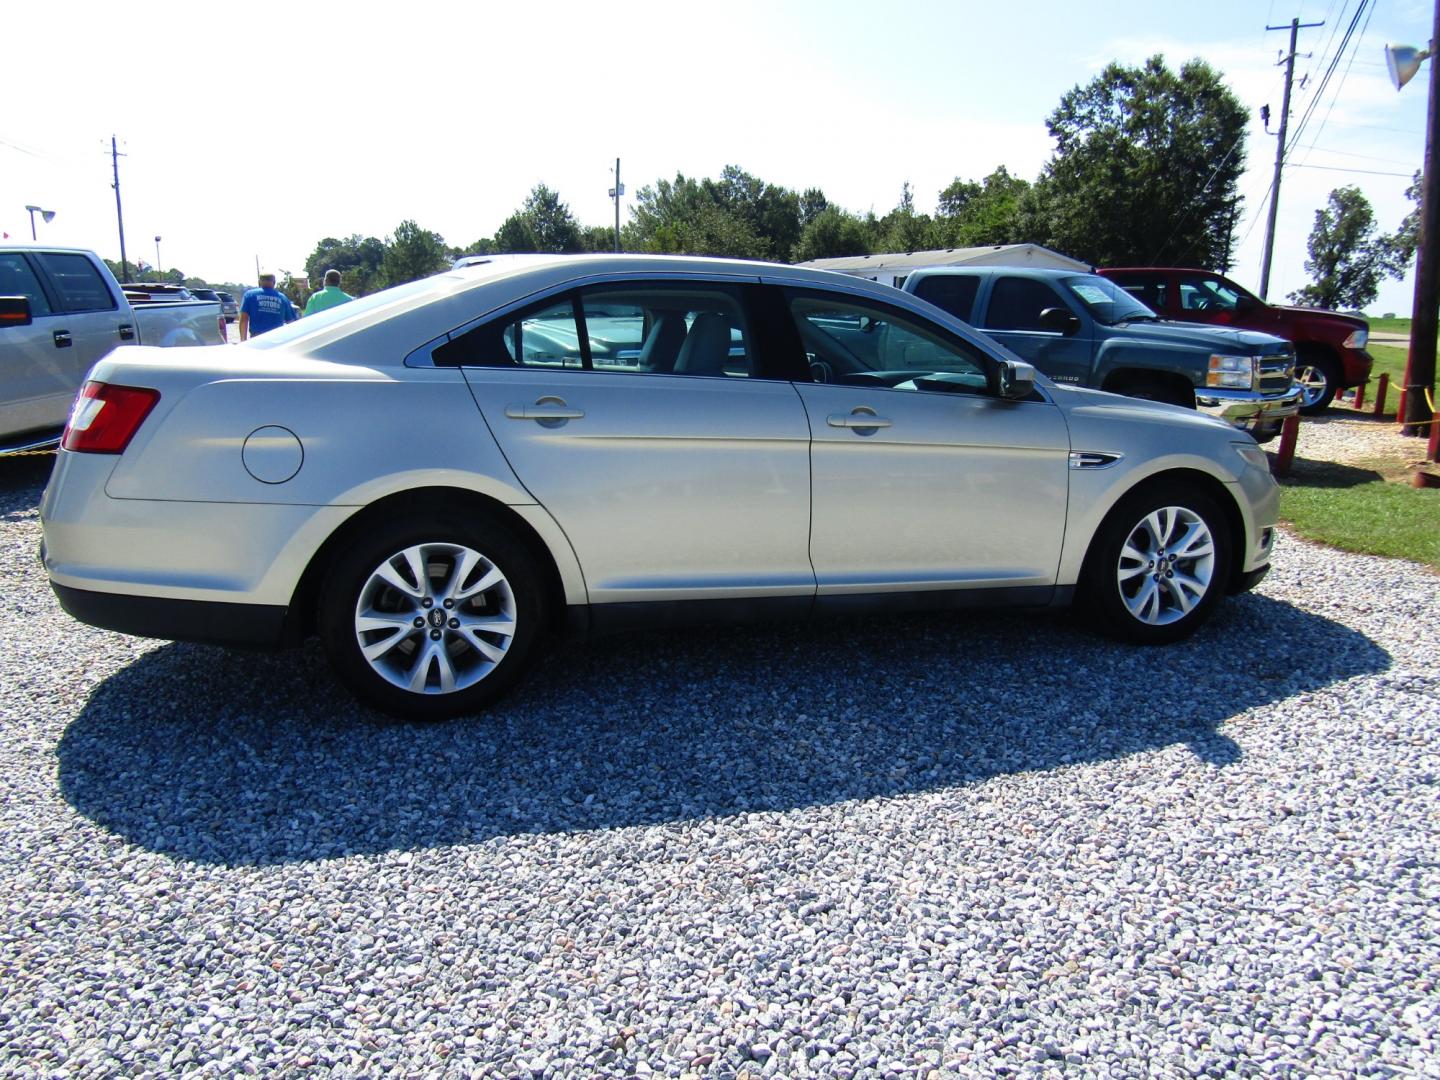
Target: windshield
{"points": [[1105, 300]]}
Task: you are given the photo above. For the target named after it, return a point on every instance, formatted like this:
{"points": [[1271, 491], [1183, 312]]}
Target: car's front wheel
{"points": [[1319, 379], [431, 618], [1158, 565]]}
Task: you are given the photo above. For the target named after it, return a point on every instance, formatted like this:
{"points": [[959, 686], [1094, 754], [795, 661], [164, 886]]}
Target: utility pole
{"points": [[1295, 25], [1420, 366], [615, 193], [115, 157]]}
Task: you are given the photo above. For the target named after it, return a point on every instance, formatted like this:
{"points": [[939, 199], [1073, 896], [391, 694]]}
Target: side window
{"points": [[79, 284], [1016, 304], [546, 336], [1204, 294], [17, 279], [950, 292], [859, 343], [664, 329]]}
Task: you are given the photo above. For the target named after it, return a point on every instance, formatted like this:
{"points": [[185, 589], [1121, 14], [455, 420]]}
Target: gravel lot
{"points": [[915, 847]]}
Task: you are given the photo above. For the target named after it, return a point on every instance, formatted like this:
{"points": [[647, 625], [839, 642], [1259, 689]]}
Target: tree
{"points": [[738, 215], [516, 234], [1347, 258], [413, 253], [831, 233], [360, 260], [1146, 166], [972, 215], [1406, 239]]}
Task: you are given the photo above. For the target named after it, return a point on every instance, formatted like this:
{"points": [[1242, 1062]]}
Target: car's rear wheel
{"points": [[1318, 378], [431, 618], [1158, 565]]}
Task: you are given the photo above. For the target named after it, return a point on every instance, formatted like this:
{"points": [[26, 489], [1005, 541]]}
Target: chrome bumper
{"points": [[1248, 409]]}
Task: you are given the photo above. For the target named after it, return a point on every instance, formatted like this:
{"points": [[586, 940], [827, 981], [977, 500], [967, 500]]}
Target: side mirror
{"points": [[1246, 305], [14, 311], [1017, 379], [1059, 320]]}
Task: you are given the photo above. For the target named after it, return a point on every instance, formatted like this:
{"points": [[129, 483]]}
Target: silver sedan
{"points": [[434, 478]]}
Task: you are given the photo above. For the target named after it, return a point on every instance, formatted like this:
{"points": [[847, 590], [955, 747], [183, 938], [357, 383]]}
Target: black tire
{"points": [[1108, 598], [1319, 378], [440, 539], [1160, 390]]}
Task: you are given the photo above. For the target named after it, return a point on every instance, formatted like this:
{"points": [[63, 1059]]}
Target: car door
{"points": [[90, 316], [1012, 317], [37, 381], [678, 474], [922, 478]]}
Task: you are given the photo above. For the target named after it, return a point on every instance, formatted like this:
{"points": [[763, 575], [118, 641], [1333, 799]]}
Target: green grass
{"points": [[1389, 360], [1376, 517], [1390, 326]]}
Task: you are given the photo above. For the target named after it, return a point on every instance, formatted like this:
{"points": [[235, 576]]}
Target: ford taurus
{"points": [[432, 478]]}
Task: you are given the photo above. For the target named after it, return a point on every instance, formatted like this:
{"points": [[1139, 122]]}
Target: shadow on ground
{"points": [[236, 758], [1309, 472]]}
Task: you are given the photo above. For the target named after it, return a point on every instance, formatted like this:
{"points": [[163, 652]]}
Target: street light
{"points": [[46, 215], [1404, 61], [158, 268]]}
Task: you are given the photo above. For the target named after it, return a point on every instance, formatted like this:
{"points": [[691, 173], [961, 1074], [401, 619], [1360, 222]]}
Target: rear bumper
{"points": [[257, 626], [1356, 365], [1246, 408]]}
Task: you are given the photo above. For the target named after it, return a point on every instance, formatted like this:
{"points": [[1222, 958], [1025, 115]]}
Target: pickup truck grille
{"points": [[1277, 372]]}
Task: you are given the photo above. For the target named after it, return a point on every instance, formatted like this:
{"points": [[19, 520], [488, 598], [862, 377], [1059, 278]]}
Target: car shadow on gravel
{"points": [[234, 758]]}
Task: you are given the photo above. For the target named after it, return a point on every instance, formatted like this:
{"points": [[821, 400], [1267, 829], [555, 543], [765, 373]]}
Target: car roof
{"points": [[1046, 272], [394, 322]]}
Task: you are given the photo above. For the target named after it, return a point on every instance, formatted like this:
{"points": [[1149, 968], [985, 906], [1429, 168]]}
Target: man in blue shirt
{"points": [[265, 308]]}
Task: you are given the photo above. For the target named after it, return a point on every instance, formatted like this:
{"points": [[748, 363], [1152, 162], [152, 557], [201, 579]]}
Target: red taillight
{"points": [[105, 418], [224, 332]]}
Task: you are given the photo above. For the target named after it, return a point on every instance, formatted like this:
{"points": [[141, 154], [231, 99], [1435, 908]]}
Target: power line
{"points": [[1336, 168], [1353, 51]]}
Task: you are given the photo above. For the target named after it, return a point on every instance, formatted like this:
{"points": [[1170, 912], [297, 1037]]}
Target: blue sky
{"points": [[255, 131]]}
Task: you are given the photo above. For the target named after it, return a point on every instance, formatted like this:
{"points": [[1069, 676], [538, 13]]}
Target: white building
{"points": [[892, 269]]}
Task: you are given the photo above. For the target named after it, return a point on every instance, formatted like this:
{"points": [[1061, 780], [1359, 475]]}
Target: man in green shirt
{"points": [[329, 296]]}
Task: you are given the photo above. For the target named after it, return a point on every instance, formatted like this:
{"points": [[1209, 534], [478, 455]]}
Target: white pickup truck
{"points": [[60, 312]]}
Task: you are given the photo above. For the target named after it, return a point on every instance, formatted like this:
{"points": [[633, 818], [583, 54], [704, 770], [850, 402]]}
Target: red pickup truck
{"points": [[1329, 347]]}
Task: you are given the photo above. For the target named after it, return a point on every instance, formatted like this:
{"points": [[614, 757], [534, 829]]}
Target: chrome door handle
{"points": [[62, 339], [126, 332], [547, 408], [857, 418]]}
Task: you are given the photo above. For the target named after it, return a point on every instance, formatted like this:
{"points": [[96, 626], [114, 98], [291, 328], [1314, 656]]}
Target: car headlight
{"points": [[1357, 339], [1252, 454], [1231, 372]]}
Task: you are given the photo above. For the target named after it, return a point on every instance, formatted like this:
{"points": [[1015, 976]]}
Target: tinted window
{"points": [[667, 329], [1149, 291], [79, 284], [950, 293], [1016, 303], [17, 279], [546, 336], [859, 343]]}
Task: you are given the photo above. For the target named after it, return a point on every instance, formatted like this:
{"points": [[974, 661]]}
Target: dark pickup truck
{"points": [[1329, 347], [1084, 330]]}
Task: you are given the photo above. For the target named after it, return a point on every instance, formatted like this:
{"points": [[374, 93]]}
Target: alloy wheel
{"points": [[435, 618], [1313, 382], [1166, 565]]}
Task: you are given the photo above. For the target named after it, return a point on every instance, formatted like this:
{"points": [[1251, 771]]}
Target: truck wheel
{"points": [[433, 617], [1319, 378], [1158, 390], [1158, 565]]}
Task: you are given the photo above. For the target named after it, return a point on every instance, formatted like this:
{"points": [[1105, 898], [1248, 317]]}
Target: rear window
{"points": [[79, 284], [950, 293]]}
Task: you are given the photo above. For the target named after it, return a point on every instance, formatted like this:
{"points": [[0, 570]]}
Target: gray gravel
{"points": [[937, 846]]}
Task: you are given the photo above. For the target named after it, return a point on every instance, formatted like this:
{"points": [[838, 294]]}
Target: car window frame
{"points": [[989, 363]]}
